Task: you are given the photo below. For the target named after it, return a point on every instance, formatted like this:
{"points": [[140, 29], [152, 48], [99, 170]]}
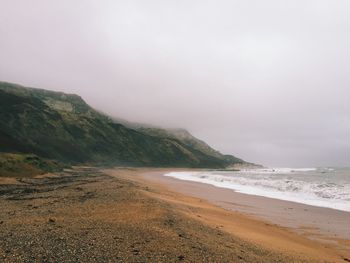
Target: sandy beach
{"points": [[137, 215], [317, 222], [284, 226]]}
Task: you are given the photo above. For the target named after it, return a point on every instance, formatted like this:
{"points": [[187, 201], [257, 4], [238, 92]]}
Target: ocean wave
{"points": [[315, 189], [278, 170]]}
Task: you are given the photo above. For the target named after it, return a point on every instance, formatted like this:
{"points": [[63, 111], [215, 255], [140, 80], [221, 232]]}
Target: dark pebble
{"points": [[181, 257], [135, 251]]}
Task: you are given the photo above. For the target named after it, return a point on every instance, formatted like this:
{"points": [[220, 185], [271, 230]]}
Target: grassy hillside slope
{"points": [[63, 127]]}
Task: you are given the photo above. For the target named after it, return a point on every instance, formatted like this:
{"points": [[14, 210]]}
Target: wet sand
{"points": [[317, 222]]}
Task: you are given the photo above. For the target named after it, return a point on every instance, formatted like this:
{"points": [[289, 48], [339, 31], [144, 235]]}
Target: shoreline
{"points": [[282, 196], [283, 225], [271, 208]]}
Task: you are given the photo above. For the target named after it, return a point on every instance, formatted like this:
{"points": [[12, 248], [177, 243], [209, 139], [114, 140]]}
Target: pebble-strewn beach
{"points": [[88, 215]]}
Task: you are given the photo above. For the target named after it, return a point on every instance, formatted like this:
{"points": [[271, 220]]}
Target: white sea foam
{"points": [[278, 170], [312, 186]]}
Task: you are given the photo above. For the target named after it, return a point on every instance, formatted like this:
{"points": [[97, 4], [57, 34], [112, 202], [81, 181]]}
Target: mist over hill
{"points": [[63, 127]]}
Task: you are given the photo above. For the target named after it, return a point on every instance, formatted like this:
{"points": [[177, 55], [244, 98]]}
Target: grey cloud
{"points": [[265, 80]]}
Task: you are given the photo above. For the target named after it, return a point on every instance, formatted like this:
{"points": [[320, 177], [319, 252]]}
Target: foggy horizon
{"points": [[267, 82]]}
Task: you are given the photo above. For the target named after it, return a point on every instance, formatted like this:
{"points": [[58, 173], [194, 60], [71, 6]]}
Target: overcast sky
{"points": [[268, 81]]}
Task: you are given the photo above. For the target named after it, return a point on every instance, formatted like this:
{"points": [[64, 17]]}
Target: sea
{"points": [[323, 187]]}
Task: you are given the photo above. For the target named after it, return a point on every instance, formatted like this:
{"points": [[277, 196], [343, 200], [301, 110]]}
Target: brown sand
{"points": [[83, 215], [282, 226], [316, 222]]}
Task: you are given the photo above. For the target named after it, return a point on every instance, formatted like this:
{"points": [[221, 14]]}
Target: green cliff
{"points": [[62, 127]]}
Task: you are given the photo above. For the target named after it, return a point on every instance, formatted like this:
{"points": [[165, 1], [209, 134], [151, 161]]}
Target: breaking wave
{"points": [[324, 187]]}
